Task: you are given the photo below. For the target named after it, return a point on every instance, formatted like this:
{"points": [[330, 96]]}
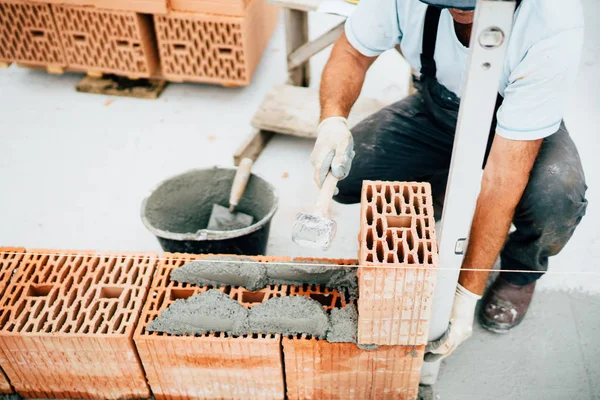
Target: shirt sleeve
{"points": [[373, 27], [537, 91]]}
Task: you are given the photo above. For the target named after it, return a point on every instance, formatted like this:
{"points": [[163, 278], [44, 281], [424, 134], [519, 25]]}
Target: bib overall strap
{"points": [[430, 29]]}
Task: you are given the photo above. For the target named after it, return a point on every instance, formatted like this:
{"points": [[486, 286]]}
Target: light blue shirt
{"points": [[541, 62]]}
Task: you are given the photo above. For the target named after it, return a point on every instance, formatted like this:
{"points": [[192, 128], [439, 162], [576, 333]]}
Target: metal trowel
{"points": [[225, 219]]}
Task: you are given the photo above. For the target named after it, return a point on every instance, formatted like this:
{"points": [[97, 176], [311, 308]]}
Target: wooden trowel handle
{"points": [[240, 181], [325, 195]]}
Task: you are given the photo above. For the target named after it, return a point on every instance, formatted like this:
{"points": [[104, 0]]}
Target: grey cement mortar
{"points": [[289, 316], [255, 276], [211, 311], [334, 276], [251, 276], [368, 347], [183, 204], [344, 325]]}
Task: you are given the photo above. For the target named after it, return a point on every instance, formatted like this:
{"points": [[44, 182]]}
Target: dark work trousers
{"points": [[412, 140]]}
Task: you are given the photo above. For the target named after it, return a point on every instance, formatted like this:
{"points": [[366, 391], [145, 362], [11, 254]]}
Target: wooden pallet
{"points": [[114, 85]]}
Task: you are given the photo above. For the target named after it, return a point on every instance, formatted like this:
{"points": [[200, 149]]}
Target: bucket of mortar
{"points": [[178, 209]]}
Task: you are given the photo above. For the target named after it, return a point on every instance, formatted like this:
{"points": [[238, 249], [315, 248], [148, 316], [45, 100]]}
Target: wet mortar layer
{"points": [[183, 204], [211, 311], [252, 275], [334, 276], [344, 325], [289, 316]]}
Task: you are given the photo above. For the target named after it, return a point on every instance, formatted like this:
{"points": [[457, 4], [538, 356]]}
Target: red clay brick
{"points": [[231, 54], [9, 260], [4, 384], [209, 366], [29, 35], [218, 7], [107, 41], [317, 369], [67, 321], [141, 6], [398, 263]]}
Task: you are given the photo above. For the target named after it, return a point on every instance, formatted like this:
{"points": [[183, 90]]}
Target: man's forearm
{"points": [[505, 178], [489, 230], [342, 79]]}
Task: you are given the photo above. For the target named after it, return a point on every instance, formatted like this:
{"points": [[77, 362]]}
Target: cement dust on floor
{"points": [[75, 168]]}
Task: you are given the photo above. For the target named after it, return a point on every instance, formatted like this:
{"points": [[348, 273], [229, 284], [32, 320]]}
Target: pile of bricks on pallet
{"points": [[73, 324], [217, 41]]}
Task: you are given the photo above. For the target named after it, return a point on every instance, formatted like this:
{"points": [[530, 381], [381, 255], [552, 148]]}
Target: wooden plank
{"points": [[295, 111], [120, 86], [303, 53], [296, 35], [301, 5], [252, 146]]}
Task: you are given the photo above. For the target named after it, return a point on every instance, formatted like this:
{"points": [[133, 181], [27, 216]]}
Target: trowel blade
{"points": [[221, 219], [313, 231]]}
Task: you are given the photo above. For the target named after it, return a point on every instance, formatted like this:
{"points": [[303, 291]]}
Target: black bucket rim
{"points": [[206, 234]]}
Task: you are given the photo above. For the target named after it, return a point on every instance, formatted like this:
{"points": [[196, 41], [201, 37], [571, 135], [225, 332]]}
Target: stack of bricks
{"points": [[219, 41], [67, 321]]}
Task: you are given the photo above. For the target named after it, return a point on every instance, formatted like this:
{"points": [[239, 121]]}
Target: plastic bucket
{"points": [[178, 209]]}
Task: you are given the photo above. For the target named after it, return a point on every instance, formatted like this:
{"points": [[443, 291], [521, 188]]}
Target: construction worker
{"points": [[532, 176]]}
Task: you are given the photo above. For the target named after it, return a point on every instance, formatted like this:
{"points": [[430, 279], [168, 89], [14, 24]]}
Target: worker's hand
{"points": [[460, 328], [334, 149]]}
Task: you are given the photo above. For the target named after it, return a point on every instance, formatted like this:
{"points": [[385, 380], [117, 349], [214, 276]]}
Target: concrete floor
{"points": [[74, 172]]}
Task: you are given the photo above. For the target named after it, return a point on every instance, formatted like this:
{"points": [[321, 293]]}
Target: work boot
{"points": [[505, 305]]}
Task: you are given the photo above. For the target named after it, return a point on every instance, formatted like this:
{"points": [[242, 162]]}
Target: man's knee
{"points": [[555, 199], [347, 192]]}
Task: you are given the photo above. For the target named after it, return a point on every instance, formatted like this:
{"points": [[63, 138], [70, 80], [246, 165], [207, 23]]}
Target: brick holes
{"points": [[403, 221], [181, 294], [111, 292], [253, 297], [39, 290]]}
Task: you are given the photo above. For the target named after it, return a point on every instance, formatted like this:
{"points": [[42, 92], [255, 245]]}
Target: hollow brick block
{"points": [[212, 48], [29, 35], [9, 260], [398, 263], [67, 321], [140, 6], [107, 41], [213, 365], [317, 369]]}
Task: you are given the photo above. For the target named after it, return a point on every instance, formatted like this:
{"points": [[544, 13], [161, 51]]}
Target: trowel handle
{"points": [[240, 181], [326, 194]]}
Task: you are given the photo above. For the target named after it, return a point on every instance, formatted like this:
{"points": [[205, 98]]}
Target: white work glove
{"points": [[334, 149], [460, 328]]}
